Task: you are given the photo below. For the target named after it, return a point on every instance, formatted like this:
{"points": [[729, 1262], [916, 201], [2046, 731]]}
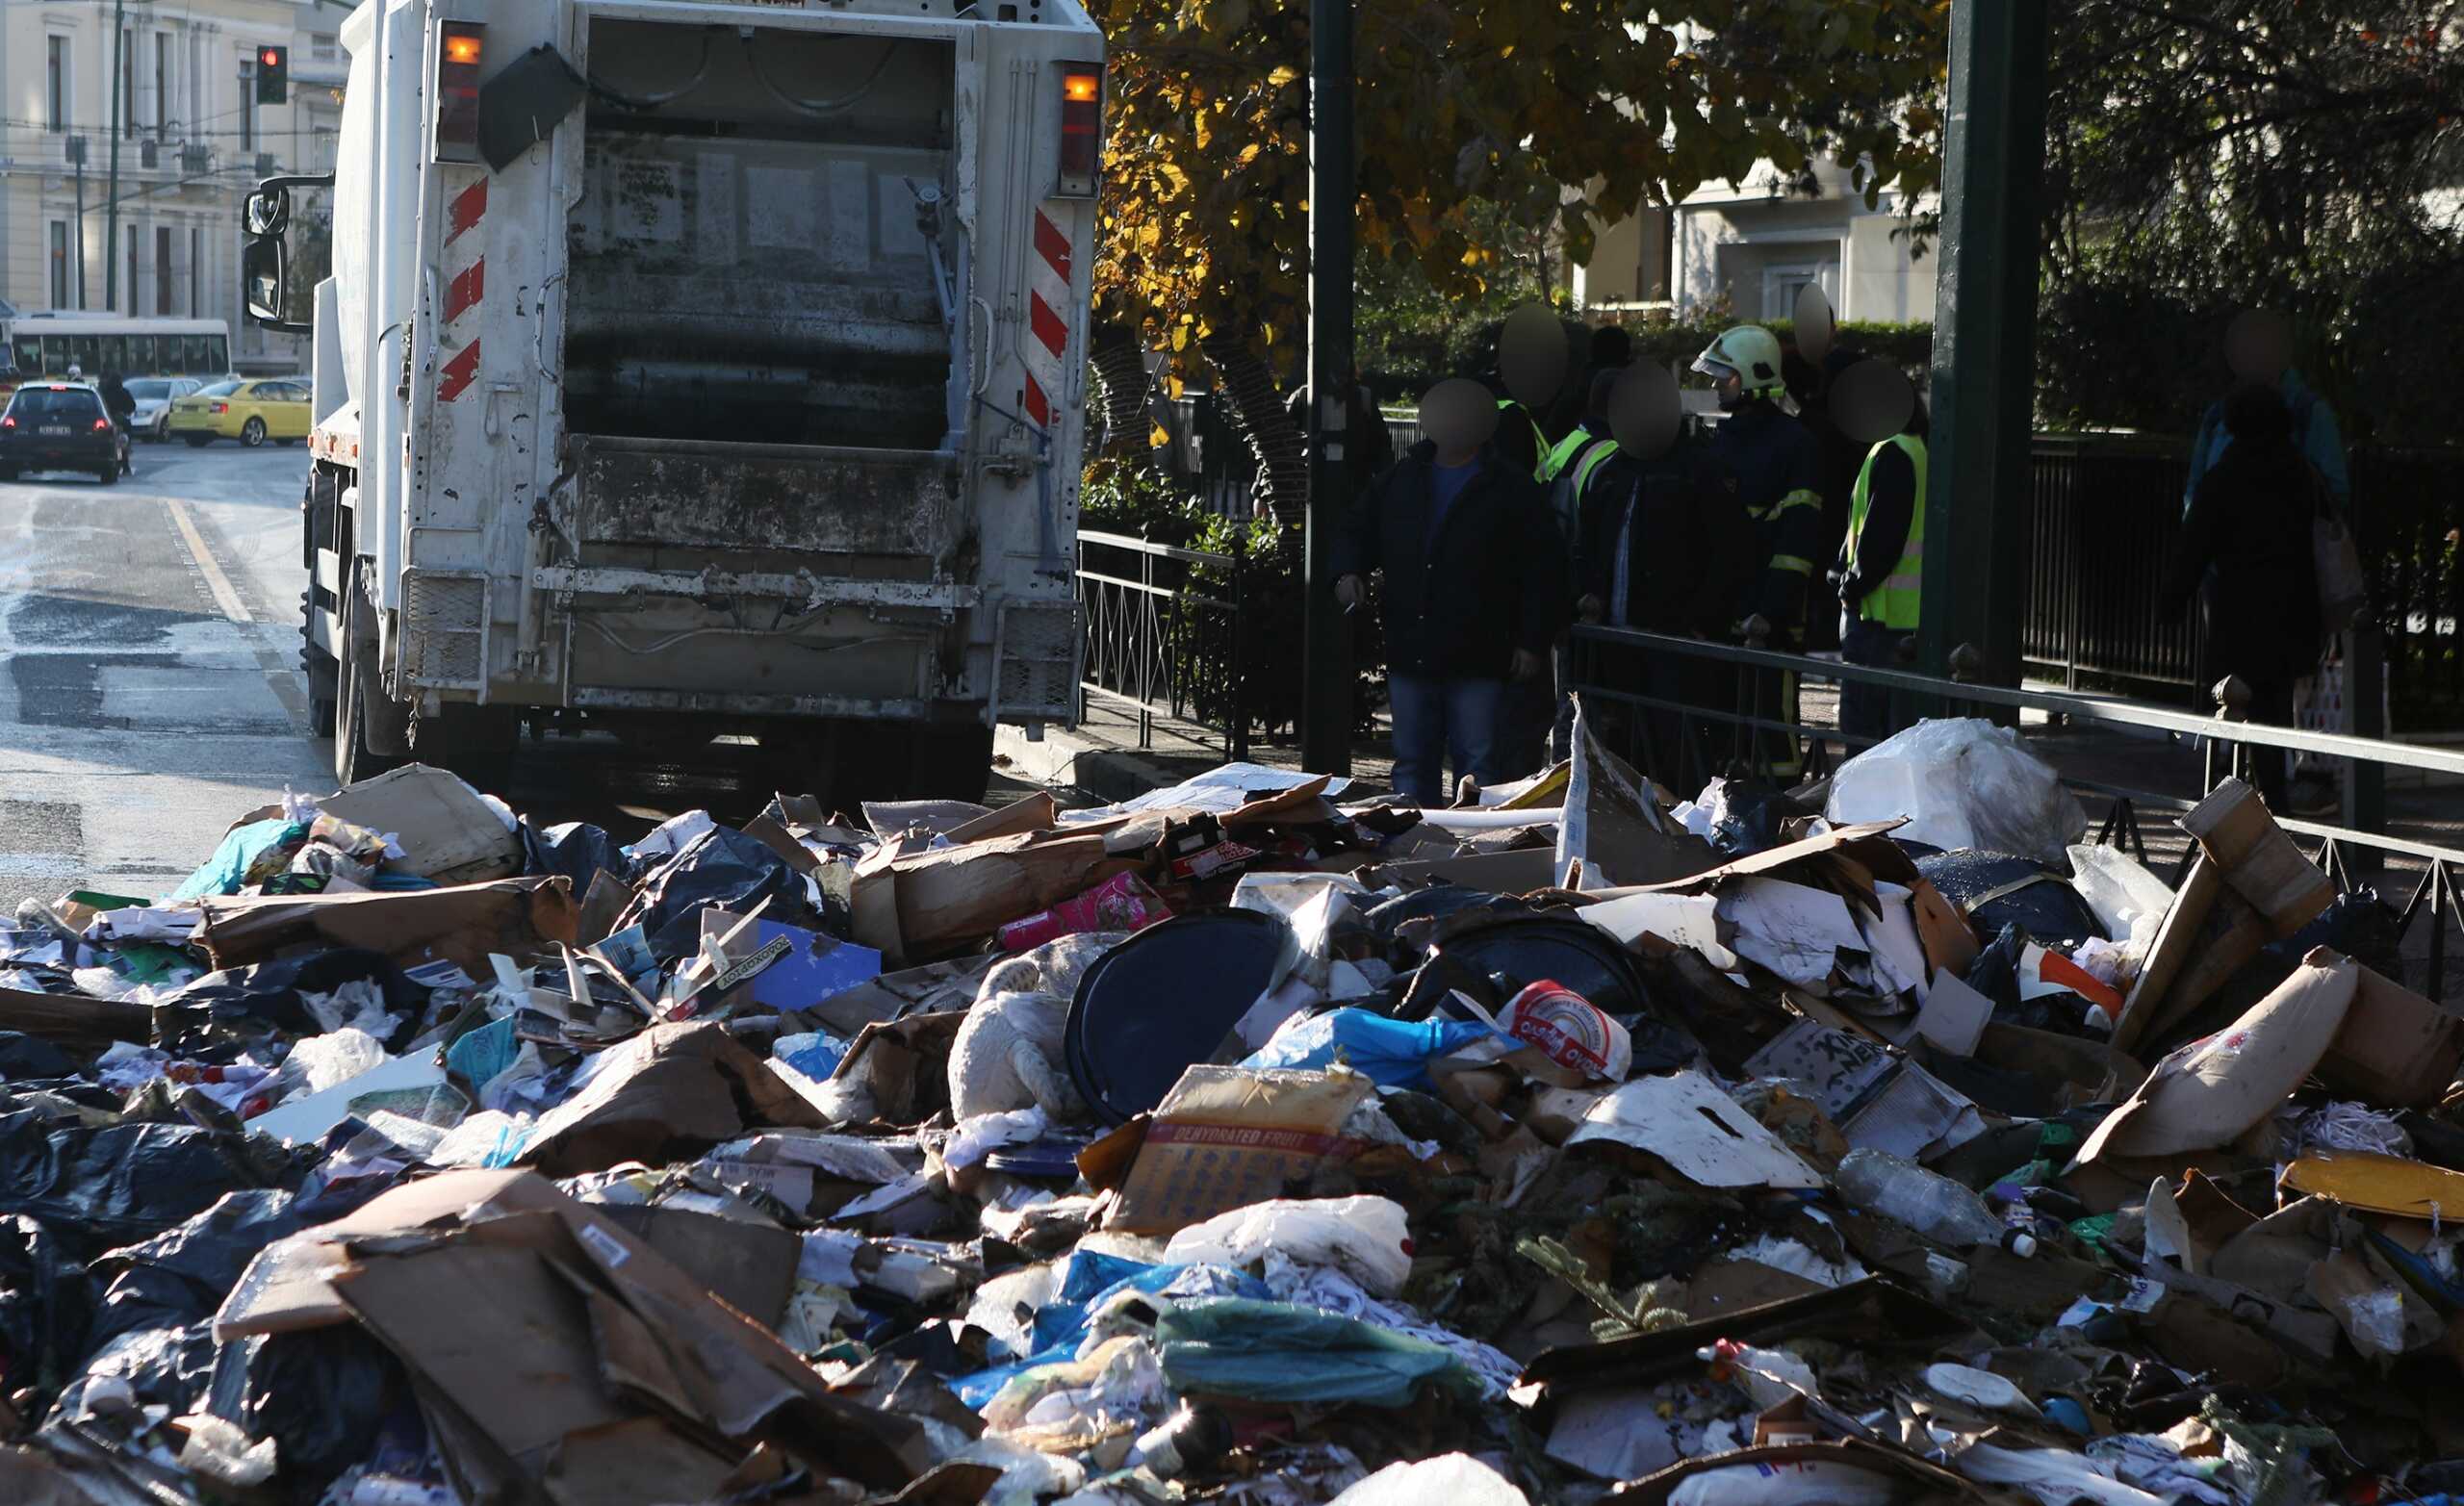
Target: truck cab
{"points": [[690, 370]]}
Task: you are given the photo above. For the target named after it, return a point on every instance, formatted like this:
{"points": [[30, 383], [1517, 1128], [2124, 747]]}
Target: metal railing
{"points": [[1683, 710], [1159, 643]]}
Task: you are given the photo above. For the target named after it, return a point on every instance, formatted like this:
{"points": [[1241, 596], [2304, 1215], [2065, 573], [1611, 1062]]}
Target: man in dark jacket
{"points": [[2249, 539], [1475, 587], [1664, 544]]}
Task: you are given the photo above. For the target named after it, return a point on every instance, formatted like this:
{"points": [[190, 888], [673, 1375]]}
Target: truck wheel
{"points": [[323, 673], [477, 742], [371, 730], [252, 433]]}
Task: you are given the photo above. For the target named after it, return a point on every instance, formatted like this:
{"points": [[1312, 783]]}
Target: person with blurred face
{"points": [[1664, 546], [1880, 576], [1473, 587], [2245, 553], [1779, 472]]}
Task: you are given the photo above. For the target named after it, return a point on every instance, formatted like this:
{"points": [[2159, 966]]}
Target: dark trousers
{"points": [[1865, 710]]}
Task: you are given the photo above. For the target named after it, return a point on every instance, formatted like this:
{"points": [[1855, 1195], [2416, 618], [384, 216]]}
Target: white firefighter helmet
{"points": [[1747, 352]]}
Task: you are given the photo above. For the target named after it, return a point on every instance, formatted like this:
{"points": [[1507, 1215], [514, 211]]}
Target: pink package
{"points": [[1120, 903]]}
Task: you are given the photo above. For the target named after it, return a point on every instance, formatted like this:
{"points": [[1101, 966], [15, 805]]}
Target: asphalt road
{"points": [[150, 692]]}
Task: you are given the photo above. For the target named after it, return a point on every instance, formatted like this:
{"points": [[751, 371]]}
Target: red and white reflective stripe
{"points": [[1047, 322], [465, 270]]}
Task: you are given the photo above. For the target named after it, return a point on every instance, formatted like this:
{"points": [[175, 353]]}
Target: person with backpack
{"points": [[2246, 551], [2258, 347]]}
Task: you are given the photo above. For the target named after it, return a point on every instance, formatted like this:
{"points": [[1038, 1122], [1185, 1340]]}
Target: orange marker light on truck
{"points": [[1082, 129], [459, 46]]}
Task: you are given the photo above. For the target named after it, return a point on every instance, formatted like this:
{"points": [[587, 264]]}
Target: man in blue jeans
{"points": [[1475, 586]]}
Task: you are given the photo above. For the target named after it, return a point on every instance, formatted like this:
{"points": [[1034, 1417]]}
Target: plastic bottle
{"points": [[1192, 1437], [1934, 1206]]}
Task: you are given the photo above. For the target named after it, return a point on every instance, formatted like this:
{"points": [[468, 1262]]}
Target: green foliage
{"points": [[2299, 154]]}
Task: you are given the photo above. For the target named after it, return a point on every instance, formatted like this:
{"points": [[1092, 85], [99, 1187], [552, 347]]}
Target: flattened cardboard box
{"points": [[442, 937], [1227, 1137]]}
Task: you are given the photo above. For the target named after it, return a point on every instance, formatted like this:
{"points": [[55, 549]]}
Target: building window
{"points": [[195, 113], [196, 269], [248, 108], [162, 82], [135, 301], [324, 46], [1782, 282], [56, 81], [161, 269], [128, 83], [60, 264]]}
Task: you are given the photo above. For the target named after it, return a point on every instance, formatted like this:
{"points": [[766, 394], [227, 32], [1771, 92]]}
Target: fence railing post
{"points": [[1239, 699]]}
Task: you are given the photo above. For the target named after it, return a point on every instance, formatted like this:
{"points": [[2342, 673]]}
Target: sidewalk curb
{"points": [[1067, 757]]}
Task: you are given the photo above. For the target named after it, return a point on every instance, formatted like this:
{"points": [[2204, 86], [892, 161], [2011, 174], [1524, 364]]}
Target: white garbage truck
{"points": [[694, 371]]}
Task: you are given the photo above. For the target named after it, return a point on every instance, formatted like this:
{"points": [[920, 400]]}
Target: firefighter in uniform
{"points": [[1779, 470]]}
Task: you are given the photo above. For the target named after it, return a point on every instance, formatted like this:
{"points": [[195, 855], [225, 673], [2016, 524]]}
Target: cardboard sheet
{"points": [[2211, 1091], [442, 937], [669, 1093], [1226, 1137], [1795, 930], [447, 832], [2380, 1183]]}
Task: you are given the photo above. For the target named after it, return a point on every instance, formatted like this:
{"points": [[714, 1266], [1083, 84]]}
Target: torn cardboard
{"points": [[2211, 1091], [669, 1093], [448, 834], [1227, 1137], [441, 937]]}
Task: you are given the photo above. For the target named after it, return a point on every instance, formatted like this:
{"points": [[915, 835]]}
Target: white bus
{"points": [[48, 345]]}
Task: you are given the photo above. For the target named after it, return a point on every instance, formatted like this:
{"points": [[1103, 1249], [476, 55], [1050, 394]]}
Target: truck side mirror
{"points": [[264, 268], [267, 212]]}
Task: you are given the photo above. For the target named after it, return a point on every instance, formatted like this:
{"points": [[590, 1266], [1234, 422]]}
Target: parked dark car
{"points": [[59, 426]]}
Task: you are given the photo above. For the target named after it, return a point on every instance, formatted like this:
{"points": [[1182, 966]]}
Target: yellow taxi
{"points": [[252, 411]]}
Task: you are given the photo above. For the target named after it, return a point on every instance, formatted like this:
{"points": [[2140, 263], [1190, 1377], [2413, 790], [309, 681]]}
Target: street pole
{"points": [[81, 225], [1978, 486], [110, 204], [1325, 629]]}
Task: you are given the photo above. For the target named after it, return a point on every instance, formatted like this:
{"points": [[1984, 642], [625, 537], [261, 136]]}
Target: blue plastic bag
{"points": [[1277, 1352], [1388, 1053], [227, 869]]}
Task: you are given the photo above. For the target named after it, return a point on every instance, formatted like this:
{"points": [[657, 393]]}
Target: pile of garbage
{"points": [[1866, 1142]]}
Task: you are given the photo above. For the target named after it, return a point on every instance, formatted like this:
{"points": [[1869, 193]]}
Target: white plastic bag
{"points": [[1960, 782], [1362, 1236], [1455, 1479], [331, 1060]]}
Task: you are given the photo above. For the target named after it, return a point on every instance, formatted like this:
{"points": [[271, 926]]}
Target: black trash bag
{"points": [[322, 1395], [244, 1001], [98, 1187], [27, 1058], [167, 1366], [722, 867], [1997, 889], [182, 1274], [1750, 815], [1995, 974], [577, 850], [47, 1310]]}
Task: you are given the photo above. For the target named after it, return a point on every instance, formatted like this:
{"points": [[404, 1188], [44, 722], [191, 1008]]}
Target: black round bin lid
{"points": [[1163, 999]]}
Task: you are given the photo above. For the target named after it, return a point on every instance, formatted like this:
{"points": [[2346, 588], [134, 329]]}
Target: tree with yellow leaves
{"points": [[1205, 207]]}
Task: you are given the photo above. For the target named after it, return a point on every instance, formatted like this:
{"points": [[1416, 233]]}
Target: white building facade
{"points": [[191, 141], [1756, 244]]}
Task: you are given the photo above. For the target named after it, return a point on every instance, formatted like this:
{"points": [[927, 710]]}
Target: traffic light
{"points": [[273, 75]]}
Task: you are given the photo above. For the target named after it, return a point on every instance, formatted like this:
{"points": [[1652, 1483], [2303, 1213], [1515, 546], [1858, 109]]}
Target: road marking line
{"points": [[216, 581]]}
